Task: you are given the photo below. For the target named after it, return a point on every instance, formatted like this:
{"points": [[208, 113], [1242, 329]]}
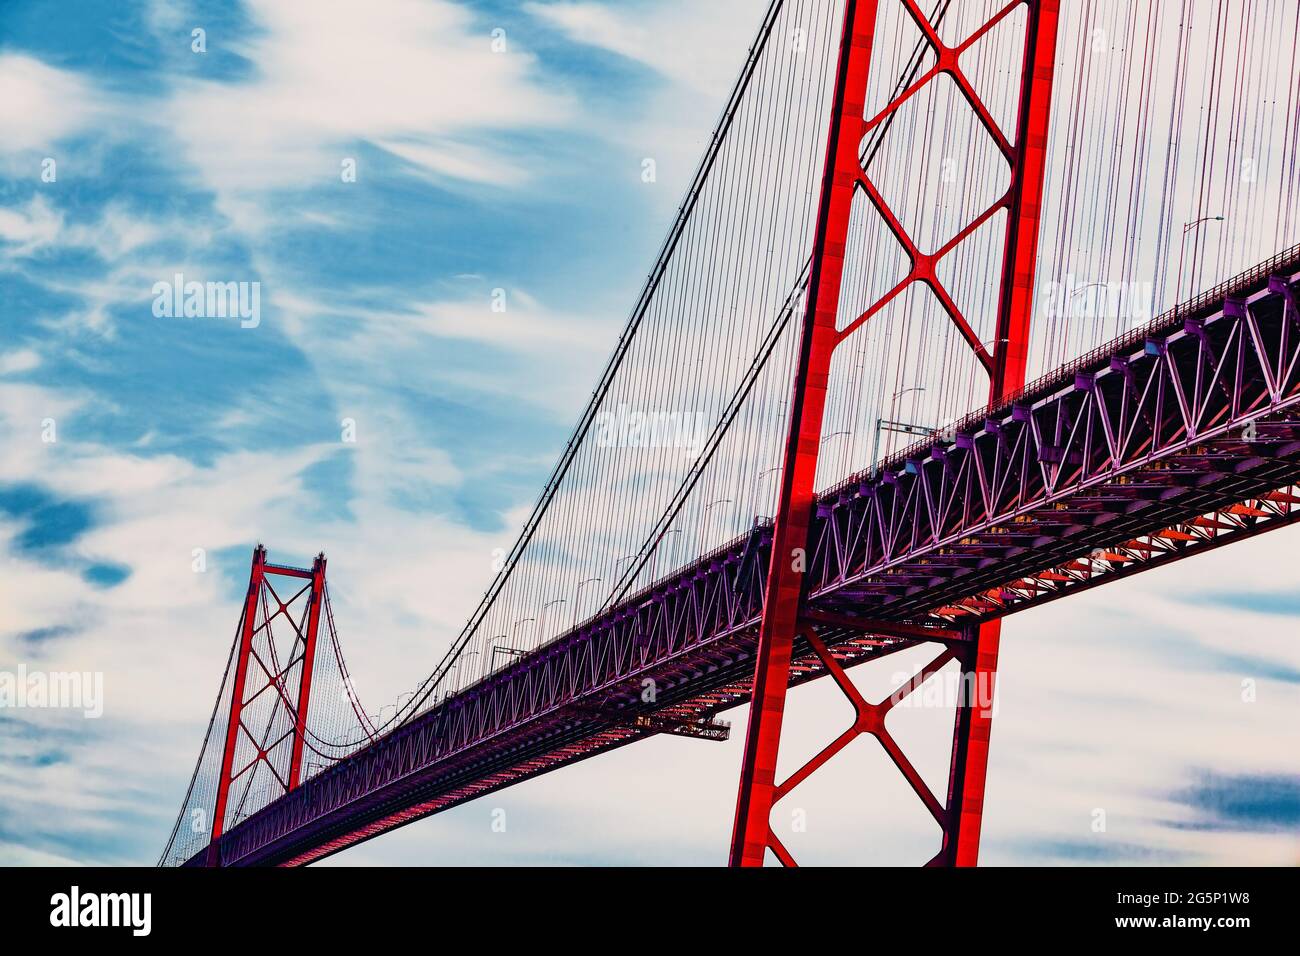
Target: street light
{"points": [[627, 557], [1079, 291], [514, 628], [991, 350], [541, 623], [763, 474], [460, 659], [654, 555], [577, 592], [704, 515], [492, 658], [903, 391], [1182, 248], [893, 405]]}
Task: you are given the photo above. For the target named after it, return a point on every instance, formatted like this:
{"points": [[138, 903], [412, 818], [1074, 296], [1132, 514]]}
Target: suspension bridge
{"points": [[977, 305]]}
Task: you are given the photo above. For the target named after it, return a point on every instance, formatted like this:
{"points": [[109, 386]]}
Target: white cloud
{"points": [[697, 49], [42, 105], [458, 161], [161, 636], [419, 79], [29, 228], [37, 226], [549, 359], [19, 360], [679, 39]]}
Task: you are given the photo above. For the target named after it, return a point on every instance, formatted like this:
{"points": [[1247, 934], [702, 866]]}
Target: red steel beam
{"points": [[818, 336], [974, 723], [248, 626], [308, 660]]}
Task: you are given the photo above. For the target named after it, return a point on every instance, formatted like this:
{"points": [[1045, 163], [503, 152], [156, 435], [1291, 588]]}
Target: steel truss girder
{"points": [[1168, 426], [693, 633]]}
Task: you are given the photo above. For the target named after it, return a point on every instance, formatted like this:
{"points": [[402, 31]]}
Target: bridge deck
{"points": [[1168, 441]]}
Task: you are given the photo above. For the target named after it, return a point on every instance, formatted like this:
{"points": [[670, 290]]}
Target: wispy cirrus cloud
{"points": [[677, 39], [37, 225], [43, 104], [418, 79]]}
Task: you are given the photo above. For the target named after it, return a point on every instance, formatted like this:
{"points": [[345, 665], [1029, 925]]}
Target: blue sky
{"points": [[476, 171]]}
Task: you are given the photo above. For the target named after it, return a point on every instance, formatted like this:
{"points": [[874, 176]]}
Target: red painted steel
{"points": [[247, 626], [974, 723], [275, 679], [752, 835], [308, 663], [1026, 198]]}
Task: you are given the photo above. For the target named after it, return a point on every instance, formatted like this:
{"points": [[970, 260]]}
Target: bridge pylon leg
{"points": [[317, 599], [247, 629], [751, 836], [970, 747], [820, 333]]}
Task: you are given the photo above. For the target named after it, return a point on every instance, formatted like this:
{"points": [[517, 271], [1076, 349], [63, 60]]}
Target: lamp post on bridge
{"points": [[460, 659], [541, 618], [1188, 227], [991, 348], [1085, 288], [627, 557], [763, 474], [492, 657], [514, 628], [577, 594], [704, 517], [893, 405], [654, 557], [843, 433]]}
